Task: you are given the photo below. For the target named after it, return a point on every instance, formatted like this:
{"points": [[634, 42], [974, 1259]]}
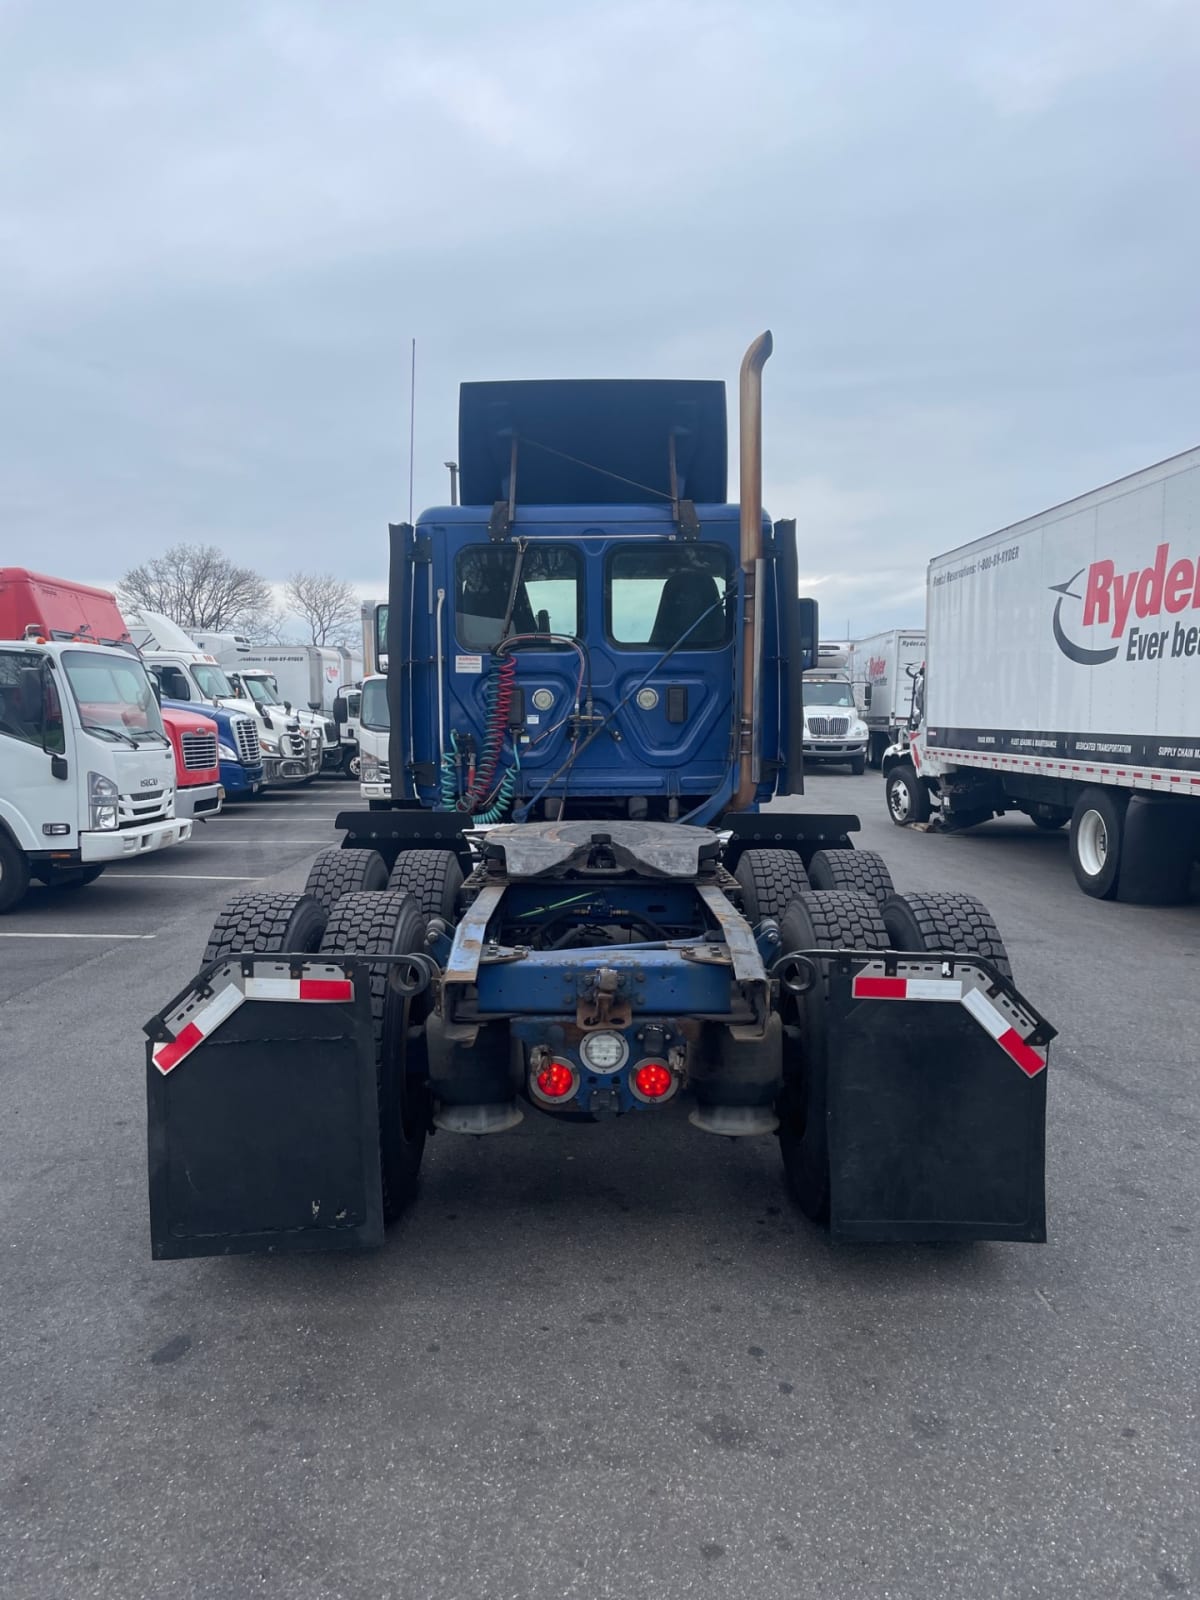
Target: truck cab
{"points": [[834, 731], [194, 739], [374, 731], [302, 735], [88, 770]]}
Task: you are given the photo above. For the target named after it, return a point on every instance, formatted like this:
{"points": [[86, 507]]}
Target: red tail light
{"points": [[557, 1080], [653, 1081]]}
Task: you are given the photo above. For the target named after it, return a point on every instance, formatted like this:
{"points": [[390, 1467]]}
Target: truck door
{"points": [[31, 734]]}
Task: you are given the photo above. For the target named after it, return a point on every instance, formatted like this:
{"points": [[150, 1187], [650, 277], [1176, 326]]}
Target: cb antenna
{"points": [[412, 425]]}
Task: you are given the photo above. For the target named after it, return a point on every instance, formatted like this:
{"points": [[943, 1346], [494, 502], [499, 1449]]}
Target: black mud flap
{"points": [[263, 1111], [936, 1102]]}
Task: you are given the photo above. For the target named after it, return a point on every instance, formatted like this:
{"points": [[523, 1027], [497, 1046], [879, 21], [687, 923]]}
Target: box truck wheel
{"points": [[818, 920], [952, 923], [858, 763], [879, 743], [14, 874], [770, 881], [859, 871], [68, 878], [336, 872], [1097, 826], [433, 878], [263, 923], [384, 925], [907, 796]]}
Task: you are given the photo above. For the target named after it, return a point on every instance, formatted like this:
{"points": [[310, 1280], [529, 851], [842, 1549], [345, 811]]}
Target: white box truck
{"points": [[1063, 680], [884, 670]]}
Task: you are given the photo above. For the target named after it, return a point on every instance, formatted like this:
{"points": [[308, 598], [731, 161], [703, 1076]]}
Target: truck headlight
{"points": [[271, 746], [225, 753], [859, 731], [103, 797], [368, 771]]}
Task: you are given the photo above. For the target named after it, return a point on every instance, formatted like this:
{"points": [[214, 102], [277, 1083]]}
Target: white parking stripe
{"points": [[5, 934], [197, 877]]}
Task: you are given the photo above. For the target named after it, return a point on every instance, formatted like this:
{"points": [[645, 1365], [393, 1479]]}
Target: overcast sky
{"points": [[972, 229]]}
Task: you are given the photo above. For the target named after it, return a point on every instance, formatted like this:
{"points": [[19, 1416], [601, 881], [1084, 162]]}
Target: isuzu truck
{"points": [[87, 772], [1062, 668]]}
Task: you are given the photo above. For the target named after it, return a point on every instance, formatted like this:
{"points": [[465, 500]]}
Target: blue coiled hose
{"points": [[502, 799]]}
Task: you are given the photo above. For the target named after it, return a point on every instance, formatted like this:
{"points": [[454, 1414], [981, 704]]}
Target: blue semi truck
{"points": [[577, 902], [237, 749]]}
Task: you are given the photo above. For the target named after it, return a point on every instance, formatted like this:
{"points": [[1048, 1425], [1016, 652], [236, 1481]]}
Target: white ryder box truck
{"points": [[1063, 680], [884, 670]]}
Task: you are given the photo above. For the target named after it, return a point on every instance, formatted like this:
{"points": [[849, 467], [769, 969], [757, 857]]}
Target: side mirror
{"points": [[808, 628], [341, 712], [866, 696], [314, 705], [157, 688]]}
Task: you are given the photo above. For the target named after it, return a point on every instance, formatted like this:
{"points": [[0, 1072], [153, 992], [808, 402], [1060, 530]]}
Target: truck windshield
{"points": [[375, 714], [827, 694], [259, 690], [113, 695], [213, 683]]}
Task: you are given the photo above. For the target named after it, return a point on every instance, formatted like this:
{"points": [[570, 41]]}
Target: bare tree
{"points": [[328, 607], [199, 587]]}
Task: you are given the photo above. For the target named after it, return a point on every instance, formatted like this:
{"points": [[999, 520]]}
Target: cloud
{"points": [[221, 226]]}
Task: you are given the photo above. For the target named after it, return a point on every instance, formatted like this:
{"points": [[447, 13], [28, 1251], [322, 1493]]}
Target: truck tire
{"points": [[1097, 835], [859, 871], [907, 796], [858, 764], [818, 920], [336, 872], [261, 924], [1049, 822], [433, 878], [382, 925], [953, 923], [770, 881], [14, 874]]}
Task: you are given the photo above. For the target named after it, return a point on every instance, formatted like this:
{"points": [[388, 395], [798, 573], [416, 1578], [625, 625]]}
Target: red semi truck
{"points": [[61, 610]]}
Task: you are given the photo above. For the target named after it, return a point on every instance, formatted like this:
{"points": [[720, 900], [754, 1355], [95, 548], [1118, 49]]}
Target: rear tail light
{"points": [[555, 1082], [652, 1081]]}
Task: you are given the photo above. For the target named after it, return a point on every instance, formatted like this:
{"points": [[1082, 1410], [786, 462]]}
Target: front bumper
{"points": [[281, 770], [199, 800], [121, 843], [833, 749]]}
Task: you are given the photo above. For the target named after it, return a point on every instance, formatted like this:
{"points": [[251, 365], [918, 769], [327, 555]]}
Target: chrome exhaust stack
{"points": [[750, 495]]}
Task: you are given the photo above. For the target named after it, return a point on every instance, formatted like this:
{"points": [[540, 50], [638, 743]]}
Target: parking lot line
{"points": [[266, 839], [197, 877], [20, 934]]}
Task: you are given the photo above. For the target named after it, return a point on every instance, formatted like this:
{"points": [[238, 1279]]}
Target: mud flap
{"points": [[936, 1102], [263, 1116]]}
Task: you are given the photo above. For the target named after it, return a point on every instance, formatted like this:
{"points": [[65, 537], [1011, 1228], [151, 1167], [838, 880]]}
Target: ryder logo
{"points": [[1111, 599], [876, 668]]}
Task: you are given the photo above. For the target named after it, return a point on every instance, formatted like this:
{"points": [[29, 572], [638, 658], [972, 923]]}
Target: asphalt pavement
{"points": [[606, 1362]]}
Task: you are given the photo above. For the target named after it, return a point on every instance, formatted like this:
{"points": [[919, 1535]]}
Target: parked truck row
{"points": [[81, 684]]}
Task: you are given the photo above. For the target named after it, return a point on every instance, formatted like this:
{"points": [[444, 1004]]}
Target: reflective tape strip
{"points": [[1030, 1060], [907, 989], [226, 1001], [194, 1032], [299, 989]]}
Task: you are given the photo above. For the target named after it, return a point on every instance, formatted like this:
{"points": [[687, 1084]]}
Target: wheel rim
{"points": [[1091, 843], [900, 799]]}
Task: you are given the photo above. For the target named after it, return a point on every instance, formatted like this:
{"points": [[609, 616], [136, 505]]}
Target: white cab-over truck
{"points": [[1063, 680], [834, 732], [884, 670], [87, 774]]}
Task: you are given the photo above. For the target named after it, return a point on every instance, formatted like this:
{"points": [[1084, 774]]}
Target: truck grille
{"points": [[248, 748], [199, 751], [829, 727], [148, 805]]}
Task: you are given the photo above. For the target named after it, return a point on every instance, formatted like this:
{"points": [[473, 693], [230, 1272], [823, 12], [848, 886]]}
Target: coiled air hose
{"points": [[499, 695]]}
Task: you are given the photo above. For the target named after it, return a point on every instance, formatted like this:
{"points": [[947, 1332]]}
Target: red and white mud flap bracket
{"points": [[262, 1109], [935, 1098]]}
